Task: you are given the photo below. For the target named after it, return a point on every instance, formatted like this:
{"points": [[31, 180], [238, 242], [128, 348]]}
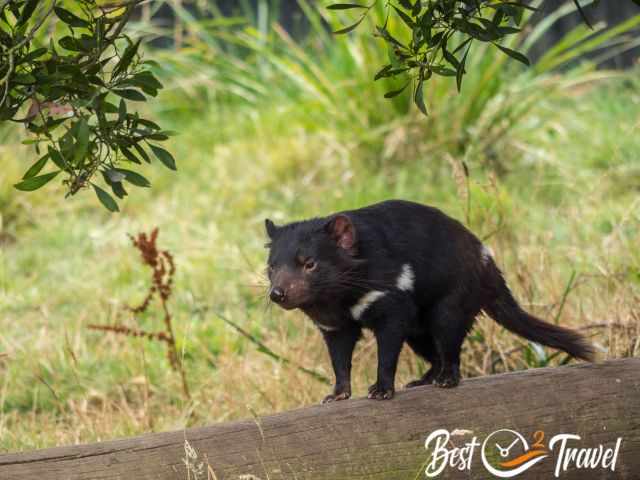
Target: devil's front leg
{"points": [[391, 333], [340, 344]]}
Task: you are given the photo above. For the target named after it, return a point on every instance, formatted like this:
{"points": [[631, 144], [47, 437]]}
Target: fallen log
{"points": [[385, 440]]}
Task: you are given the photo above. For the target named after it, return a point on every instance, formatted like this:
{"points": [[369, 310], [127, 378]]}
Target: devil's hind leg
{"points": [[424, 346], [451, 320]]}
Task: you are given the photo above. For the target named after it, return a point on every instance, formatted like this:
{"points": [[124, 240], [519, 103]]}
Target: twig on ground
{"points": [[262, 348]]}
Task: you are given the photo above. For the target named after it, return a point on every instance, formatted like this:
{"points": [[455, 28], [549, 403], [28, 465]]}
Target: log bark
{"points": [[381, 440]]}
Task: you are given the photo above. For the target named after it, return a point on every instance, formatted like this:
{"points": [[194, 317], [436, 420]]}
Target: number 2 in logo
{"points": [[538, 440]]}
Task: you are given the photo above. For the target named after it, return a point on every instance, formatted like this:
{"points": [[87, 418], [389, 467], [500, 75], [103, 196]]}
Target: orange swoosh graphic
{"points": [[523, 458]]}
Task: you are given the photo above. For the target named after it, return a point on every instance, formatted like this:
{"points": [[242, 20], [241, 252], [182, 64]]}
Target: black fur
{"points": [[324, 266]]}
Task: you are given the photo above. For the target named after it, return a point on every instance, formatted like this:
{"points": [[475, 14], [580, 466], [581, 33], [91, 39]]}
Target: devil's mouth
{"points": [[291, 304], [287, 305]]}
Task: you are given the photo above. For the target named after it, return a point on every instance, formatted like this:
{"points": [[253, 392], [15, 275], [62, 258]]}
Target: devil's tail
{"points": [[505, 310]]}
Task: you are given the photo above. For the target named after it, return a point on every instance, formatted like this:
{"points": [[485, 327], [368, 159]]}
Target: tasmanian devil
{"points": [[410, 274]]}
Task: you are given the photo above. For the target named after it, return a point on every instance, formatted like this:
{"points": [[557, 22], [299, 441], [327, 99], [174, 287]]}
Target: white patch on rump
{"points": [[406, 278], [486, 254], [359, 308]]}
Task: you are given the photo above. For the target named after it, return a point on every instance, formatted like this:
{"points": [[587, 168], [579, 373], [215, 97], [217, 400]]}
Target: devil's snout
{"points": [[288, 288], [277, 294]]}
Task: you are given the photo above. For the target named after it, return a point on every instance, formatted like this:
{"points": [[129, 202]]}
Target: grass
{"points": [[555, 195]]}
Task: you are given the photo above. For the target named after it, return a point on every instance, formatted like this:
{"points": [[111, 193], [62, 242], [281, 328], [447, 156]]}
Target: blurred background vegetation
{"points": [[277, 117]]}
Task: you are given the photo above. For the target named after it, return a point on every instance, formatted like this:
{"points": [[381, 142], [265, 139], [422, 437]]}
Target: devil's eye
{"points": [[310, 265]]}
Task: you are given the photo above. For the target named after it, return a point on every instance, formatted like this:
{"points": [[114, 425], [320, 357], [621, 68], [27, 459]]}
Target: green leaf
{"points": [[134, 178], [149, 124], [118, 190], [69, 43], [82, 141], [29, 57], [450, 57], [113, 176], [384, 33], [142, 152], [27, 11], [418, 97], [106, 199], [350, 27], [417, 8], [149, 78], [122, 110], [396, 71], [130, 94], [498, 16], [57, 158], [444, 71], [108, 108], [461, 71], [36, 167], [151, 63], [345, 6], [164, 156], [129, 155], [34, 183], [462, 45], [145, 81], [508, 30], [24, 78], [383, 72], [126, 59], [405, 18], [7, 111], [69, 18], [395, 93], [114, 180], [513, 54], [160, 136]]}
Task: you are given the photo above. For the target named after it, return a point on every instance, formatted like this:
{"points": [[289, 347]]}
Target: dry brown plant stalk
{"points": [[163, 268]]}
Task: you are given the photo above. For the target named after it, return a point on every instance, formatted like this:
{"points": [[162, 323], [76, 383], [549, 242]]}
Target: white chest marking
{"points": [[406, 279], [359, 308], [486, 254], [325, 328]]}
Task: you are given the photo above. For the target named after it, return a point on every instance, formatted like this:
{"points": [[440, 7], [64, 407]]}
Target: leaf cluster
{"points": [[440, 34], [73, 93]]}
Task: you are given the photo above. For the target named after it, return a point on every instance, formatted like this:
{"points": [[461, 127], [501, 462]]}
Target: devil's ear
{"points": [[343, 232], [270, 227]]}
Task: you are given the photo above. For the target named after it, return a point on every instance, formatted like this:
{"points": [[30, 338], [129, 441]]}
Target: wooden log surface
{"points": [[385, 440]]}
